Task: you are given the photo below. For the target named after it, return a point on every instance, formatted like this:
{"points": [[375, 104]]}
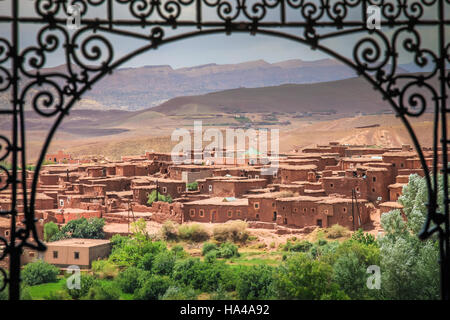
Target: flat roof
{"points": [[77, 243], [219, 201]]}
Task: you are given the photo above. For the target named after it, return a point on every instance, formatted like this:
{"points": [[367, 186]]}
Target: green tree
{"points": [[153, 288], [256, 283], [157, 196], [86, 283], [50, 230], [91, 228], [130, 280], [408, 265], [106, 290], [163, 263], [179, 293], [300, 277], [39, 272]]}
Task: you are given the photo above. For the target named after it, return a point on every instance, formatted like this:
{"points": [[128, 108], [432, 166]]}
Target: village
{"points": [[348, 185]]}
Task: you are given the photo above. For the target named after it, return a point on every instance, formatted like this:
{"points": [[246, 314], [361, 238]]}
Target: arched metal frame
{"points": [[89, 56]]}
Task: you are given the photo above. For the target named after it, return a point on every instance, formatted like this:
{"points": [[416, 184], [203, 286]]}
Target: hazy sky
{"points": [[220, 49]]}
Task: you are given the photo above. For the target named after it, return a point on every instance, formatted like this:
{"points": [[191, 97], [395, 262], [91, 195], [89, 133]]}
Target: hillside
{"points": [[342, 97]]}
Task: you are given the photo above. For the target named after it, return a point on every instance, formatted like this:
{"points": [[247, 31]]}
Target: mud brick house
{"points": [[398, 160], [141, 193], [395, 191], [125, 169], [80, 252], [290, 174], [229, 186], [352, 163], [58, 157], [158, 156], [96, 171], [216, 209], [344, 184], [190, 173], [389, 206], [263, 207], [324, 212], [174, 188], [110, 183], [163, 211]]}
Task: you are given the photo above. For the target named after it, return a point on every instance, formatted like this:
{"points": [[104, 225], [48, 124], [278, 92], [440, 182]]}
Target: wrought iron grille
{"points": [[90, 53]]}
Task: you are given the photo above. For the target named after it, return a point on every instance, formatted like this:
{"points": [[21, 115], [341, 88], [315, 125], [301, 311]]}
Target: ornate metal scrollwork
{"points": [[90, 54]]}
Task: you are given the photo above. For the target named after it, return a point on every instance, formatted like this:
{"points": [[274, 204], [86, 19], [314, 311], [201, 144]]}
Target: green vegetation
{"points": [[141, 268], [39, 272], [50, 230], [192, 186], [91, 228], [154, 195]]}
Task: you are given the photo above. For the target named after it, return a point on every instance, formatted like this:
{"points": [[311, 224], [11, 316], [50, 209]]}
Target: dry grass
{"points": [[235, 231]]}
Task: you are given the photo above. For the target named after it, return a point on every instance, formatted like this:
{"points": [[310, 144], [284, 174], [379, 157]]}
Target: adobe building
{"points": [[79, 252], [216, 209]]}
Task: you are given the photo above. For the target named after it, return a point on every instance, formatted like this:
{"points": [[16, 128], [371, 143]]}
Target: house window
{"points": [[55, 254], [401, 165], [202, 187], [304, 210], [274, 174], [319, 223], [6, 233], [344, 210], [192, 212], [313, 210], [164, 190], [179, 189], [331, 185], [373, 189], [31, 254], [229, 213], [76, 255], [210, 188], [238, 213], [256, 177], [295, 209], [61, 202], [285, 220], [374, 179], [257, 216], [274, 216], [201, 213], [273, 204], [249, 176], [256, 205]]}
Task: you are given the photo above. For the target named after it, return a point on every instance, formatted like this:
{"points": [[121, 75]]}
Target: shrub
{"points": [[105, 269], [302, 246], [91, 228], [228, 250], [104, 291], [207, 247], [130, 279], [163, 263], [337, 231], [192, 186], [177, 293], [152, 197], [193, 232], [50, 230], [179, 252], [86, 282], [364, 238], [153, 288], [39, 272], [57, 295], [231, 231], [255, 283], [169, 230], [211, 256]]}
